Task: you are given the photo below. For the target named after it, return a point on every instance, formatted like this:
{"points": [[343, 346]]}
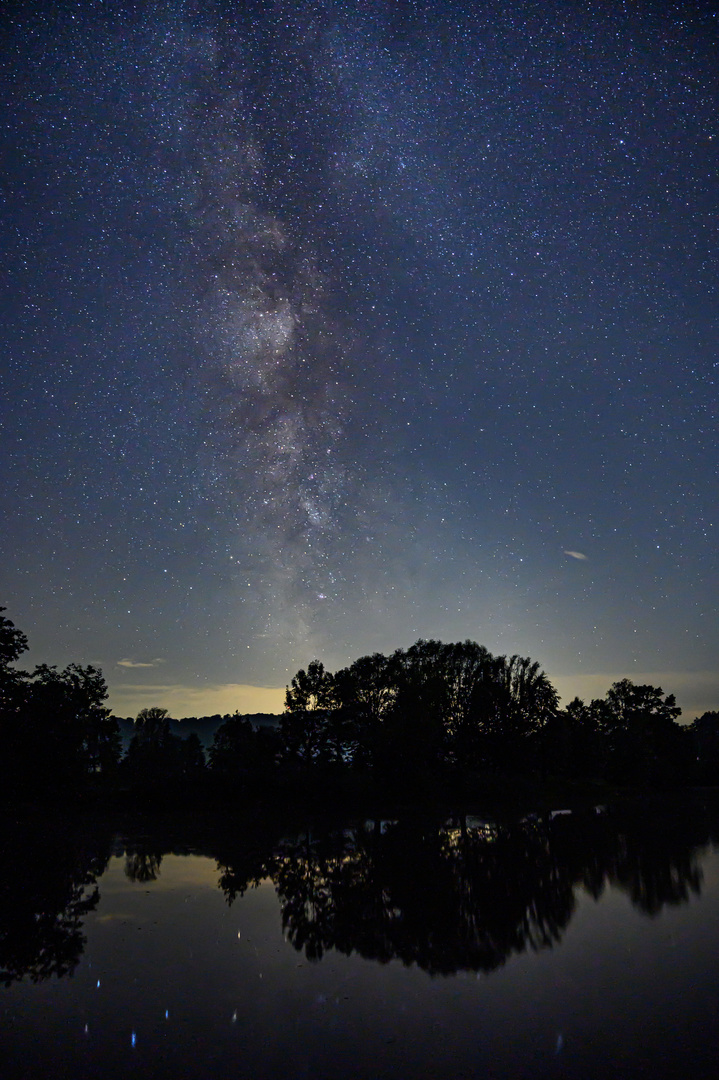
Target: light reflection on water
{"points": [[579, 946]]}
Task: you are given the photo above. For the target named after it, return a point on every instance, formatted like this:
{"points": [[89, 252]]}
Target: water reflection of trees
{"points": [[435, 898], [655, 866], [143, 859], [47, 887], [465, 897], [462, 896]]}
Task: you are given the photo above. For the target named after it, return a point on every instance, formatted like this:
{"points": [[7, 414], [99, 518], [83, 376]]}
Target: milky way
{"points": [[273, 362], [333, 325]]}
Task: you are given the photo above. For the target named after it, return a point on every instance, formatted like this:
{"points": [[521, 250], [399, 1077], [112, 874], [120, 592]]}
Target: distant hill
{"points": [[203, 726]]}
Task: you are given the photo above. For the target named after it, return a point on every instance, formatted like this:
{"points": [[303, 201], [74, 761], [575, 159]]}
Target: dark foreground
{"points": [[576, 944]]}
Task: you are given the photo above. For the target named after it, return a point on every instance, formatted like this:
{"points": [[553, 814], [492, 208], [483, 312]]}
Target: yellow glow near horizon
{"points": [[183, 701], [696, 692]]}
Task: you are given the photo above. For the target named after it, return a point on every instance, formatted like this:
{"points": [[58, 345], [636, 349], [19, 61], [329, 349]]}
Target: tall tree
{"points": [[364, 692], [310, 727], [530, 697], [472, 675], [54, 728], [14, 747], [639, 729], [414, 735], [13, 642], [511, 699], [66, 709]]}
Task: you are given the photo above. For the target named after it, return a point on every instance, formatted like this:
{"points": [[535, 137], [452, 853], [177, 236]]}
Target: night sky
{"points": [[329, 326]]}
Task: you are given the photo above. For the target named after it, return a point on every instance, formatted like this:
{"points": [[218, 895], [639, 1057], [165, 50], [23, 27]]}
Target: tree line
{"points": [[432, 713], [457, 707]]}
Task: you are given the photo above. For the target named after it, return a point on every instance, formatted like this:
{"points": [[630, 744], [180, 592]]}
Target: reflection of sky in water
{"points": [[173, 980]]}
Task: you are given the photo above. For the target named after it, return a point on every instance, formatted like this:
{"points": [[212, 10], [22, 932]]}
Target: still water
{"points": [[569, 945]]}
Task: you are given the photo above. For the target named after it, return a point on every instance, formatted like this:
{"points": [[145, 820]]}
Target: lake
{"points": [[567, 945]]}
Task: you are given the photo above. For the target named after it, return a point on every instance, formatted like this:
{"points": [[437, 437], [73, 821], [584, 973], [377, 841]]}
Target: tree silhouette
{"points": [[238, 751], [637, 724], [570, 743], [428, 706], [364, 692], [68, 704], [420, 719], [13, 740], [415, 735], [152, 726], [55, 733], [13, 643], [156, 758], [311, 727]]}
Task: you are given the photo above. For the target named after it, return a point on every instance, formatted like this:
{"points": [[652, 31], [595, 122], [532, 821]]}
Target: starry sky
{"points": [[332, 325]]}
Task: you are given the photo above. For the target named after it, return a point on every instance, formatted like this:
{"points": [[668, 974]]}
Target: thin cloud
{"points": [[140, 663], [576, 554]]}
